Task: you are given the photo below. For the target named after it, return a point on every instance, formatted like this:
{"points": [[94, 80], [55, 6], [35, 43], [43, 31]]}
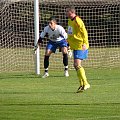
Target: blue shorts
{"points": [[54, 45], [80, 54]]}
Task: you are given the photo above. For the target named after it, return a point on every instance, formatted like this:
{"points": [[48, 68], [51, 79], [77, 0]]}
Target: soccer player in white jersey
{"points": [[57, 38]]}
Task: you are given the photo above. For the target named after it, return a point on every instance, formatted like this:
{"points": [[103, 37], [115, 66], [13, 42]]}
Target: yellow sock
{"points": [[81, 73], [79, 77]]}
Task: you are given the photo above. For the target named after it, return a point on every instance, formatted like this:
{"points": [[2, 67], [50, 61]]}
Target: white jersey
{"points": [[54, 35]]}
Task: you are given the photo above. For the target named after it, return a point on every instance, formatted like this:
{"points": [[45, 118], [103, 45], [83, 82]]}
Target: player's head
{"points": [[70, 11], [52, 22]]}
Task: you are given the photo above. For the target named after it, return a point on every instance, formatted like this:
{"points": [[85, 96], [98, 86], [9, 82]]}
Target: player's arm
{"points": [[85, 38], [40, 41], [41, 38], [81, 25]]}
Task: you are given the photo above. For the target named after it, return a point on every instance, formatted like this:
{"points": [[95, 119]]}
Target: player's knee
{"points": [[77, 67], [64, 50], [48, 52]]}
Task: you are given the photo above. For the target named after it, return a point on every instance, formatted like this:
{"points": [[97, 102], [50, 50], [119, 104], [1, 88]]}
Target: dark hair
{"points": [[53, 19]]}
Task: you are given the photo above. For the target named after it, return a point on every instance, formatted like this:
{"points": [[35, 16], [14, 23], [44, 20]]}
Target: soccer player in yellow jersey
{"points": [[78, 41]]}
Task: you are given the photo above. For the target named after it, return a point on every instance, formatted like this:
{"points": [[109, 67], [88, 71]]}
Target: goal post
{"points": [[36, 27]]}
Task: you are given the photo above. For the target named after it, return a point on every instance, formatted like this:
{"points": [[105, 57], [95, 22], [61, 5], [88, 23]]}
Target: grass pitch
{"points": [[30, 97]]}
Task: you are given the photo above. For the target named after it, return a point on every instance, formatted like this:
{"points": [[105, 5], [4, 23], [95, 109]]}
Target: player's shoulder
{"points": [[47, 28], [78, 19], [59, 27]]}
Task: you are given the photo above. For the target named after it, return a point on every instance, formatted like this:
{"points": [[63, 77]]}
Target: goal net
{"points": [[16, 35], [101, 17]]}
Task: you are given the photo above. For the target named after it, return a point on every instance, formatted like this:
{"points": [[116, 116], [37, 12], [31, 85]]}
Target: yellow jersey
{"points": [[77, 34]]}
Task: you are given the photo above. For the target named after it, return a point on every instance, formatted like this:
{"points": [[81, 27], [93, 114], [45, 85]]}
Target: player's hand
{"points": [[84, 47], [35, 48]]}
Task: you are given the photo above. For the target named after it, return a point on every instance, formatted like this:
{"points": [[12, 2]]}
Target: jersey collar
{"points": [[74, 18]]}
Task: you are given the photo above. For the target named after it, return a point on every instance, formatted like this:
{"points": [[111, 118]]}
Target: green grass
{"points": [[29, 97]]}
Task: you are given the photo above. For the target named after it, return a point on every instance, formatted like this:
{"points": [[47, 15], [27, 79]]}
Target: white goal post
{"points": [[36, 24], [20, 27]]}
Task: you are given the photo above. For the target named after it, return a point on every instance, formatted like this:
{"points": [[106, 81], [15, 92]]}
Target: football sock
{"points": [[65, 59], [66, 68], [82, 76], [46, 62], [79, 77], [46, 69]]}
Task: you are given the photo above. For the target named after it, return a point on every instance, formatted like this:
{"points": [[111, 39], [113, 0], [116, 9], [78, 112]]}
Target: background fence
{"points": [[101, 17]]}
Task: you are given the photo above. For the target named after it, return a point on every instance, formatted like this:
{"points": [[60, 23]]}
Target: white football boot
{"points": [[66, 74], [46, 74], [86, 86]]}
